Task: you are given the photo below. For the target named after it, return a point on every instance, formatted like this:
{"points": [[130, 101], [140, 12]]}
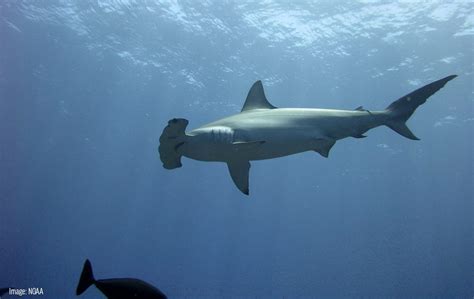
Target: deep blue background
{"points": [[86, 88]]}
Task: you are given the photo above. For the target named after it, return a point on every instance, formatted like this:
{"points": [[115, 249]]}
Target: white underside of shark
{"points": [[261, 131]]}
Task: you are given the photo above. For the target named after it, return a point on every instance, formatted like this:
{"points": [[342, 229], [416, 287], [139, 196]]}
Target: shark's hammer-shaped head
{"points": [[172, 141]]}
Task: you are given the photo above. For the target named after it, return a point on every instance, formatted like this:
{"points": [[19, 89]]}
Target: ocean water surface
{"points": [[86, 88]]}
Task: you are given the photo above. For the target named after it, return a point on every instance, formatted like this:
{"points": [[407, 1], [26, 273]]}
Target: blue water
{"points": [[86, 88]]}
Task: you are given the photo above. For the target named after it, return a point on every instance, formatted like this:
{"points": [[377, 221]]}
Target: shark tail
{"points": [[87, 278], [171, 139], [401, 110]]}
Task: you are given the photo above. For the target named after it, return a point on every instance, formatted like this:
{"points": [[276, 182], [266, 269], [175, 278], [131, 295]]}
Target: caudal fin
{"points": [[87, 278], [401, 110]]}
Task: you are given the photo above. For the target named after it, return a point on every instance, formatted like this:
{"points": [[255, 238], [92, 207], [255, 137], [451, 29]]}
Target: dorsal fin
{"points": [[256, 98], [360, 108]]}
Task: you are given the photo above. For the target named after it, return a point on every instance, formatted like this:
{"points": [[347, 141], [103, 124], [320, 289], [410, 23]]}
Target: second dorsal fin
{"points": [[256, 98]]}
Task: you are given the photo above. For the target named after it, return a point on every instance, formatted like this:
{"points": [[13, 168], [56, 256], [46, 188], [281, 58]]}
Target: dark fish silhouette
{"points": [[117, 288]]}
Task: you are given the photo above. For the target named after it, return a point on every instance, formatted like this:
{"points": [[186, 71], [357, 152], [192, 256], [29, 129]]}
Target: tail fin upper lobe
{"points": [[401, 110], [87, 278]]}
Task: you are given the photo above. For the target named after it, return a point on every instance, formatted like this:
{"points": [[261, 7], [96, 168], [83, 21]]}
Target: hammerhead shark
{"points": [[262, 131]]}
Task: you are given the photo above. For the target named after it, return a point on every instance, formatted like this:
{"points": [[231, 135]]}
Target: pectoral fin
{"points": [[239, 171]]}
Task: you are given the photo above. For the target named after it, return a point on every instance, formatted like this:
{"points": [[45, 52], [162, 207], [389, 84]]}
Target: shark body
{"points": [[262, 131]]}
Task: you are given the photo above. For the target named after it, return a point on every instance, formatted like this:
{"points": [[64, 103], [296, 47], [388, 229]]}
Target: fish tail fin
{"points": [[171, 139], [87, 278], [400, 110]]}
